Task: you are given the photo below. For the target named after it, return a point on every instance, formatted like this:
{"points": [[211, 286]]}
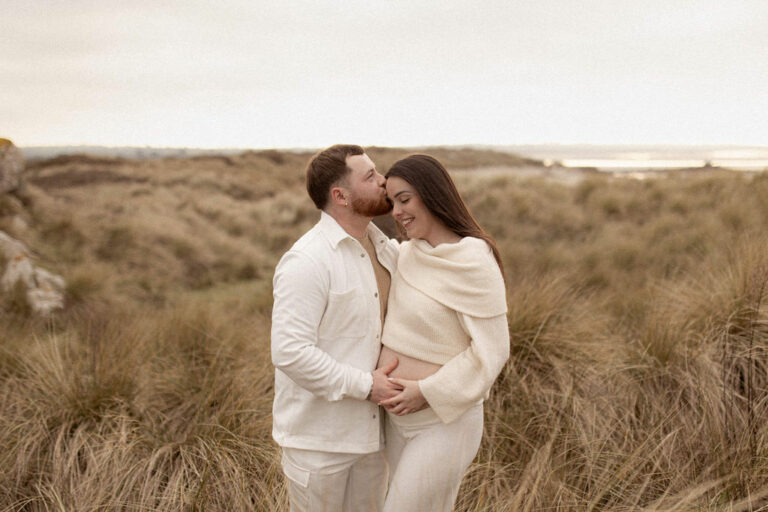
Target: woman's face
{"points": [[409, 210]]}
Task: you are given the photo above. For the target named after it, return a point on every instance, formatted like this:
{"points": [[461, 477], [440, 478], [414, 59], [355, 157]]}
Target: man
{"points": [[330, 293]]}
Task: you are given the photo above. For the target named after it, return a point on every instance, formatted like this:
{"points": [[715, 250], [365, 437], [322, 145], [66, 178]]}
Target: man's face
{"points": [[368, 195]]}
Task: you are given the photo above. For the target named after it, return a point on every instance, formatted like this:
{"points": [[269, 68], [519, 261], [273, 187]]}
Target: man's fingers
{"points": [[385, 393], [391, 366], [393, 392]]}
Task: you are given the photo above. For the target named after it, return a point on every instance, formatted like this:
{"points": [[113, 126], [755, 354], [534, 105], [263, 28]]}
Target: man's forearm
{"points": [[320, 374]]}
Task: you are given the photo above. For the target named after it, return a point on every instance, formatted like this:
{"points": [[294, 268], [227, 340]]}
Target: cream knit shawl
{"points": [[463, 276]]}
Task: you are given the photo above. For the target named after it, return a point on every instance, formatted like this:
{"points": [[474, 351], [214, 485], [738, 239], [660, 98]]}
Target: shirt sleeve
{"points": [[468, 377], [300, 291]]}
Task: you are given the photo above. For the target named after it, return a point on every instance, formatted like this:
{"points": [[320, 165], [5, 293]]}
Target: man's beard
{"points": [[371, 207]]}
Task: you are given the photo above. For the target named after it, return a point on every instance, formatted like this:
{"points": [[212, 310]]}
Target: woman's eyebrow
{"points": [[402, 192]]}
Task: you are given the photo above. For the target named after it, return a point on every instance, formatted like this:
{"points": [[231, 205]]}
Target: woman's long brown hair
{"points": [[439, 194]]}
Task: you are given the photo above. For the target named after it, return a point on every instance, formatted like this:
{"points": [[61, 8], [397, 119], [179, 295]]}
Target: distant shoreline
{"points": [[628, 158], [613, 165], [607, 158]]}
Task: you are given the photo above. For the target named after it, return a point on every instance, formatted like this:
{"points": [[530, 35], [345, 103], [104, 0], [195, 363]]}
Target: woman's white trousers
{"points": [[428, 458]]}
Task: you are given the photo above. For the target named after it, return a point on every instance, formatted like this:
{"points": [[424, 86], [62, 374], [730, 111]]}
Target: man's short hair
{"points": [[326, 169]]}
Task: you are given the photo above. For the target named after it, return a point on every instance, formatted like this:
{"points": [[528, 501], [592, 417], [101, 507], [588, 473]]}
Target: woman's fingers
{"points": [[397, 407], [399, 382], [402, 403], [400, 410], [392, 401]]}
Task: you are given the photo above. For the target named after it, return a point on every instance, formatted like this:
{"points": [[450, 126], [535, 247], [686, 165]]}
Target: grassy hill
{"points": [[638, 318]]}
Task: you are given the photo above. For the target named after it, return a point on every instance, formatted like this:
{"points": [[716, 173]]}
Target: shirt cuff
{"points": [[366, 386]]}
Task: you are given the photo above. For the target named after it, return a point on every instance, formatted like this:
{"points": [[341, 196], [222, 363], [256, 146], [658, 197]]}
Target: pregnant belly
{"points": [[408, 367]]}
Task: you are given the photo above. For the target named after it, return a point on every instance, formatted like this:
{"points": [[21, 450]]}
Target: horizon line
{"points": [[465, 145]]}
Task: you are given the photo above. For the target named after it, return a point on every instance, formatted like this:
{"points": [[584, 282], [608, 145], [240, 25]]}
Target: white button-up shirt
{"points": [[326, 329]]}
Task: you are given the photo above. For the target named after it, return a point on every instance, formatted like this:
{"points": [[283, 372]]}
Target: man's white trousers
{"points": [[335, 482]]}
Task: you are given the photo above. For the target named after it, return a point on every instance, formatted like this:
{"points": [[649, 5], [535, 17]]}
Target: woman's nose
{"points": [[395, 211]]}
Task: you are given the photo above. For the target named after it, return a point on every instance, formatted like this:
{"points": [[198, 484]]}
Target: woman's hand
{"points": [[407, 401]]}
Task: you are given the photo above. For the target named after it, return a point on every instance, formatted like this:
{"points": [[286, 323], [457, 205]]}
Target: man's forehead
{"points": [[360, 163]]}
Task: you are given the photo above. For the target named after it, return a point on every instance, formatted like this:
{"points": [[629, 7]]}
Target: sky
{"points": [[300, 73]]}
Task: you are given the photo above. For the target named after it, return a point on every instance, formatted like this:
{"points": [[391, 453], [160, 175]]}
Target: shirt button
{"points": [[376, 294], [362, 255], [374, 416]]}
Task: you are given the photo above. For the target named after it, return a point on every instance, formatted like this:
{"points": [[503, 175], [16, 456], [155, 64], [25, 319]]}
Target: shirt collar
{"points": [[335, 233]]}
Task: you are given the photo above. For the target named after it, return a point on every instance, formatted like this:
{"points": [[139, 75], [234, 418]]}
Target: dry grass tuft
{"points": [[638, 318]]}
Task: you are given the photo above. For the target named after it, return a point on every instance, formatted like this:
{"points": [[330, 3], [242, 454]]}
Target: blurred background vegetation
{"points": [[637, 309]]}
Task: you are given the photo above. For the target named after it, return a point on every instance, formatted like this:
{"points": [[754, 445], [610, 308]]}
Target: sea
{"points": [[613, 158]]}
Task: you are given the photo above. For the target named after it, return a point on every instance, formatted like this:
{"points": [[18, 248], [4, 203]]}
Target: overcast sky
{"points": [[288, 73]]}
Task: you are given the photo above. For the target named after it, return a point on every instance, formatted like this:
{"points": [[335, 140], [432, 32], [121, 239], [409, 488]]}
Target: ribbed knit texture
{"points": [[431, 287], [462, 276]]}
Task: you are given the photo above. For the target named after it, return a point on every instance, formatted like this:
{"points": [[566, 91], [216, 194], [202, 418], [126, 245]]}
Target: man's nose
{"points": [[381, 180]]}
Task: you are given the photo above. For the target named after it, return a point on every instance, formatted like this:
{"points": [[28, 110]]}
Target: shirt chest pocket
{"points": [[346, 315]]}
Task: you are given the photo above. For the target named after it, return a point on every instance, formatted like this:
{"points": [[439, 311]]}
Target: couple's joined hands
{"points": [[397, 396]]}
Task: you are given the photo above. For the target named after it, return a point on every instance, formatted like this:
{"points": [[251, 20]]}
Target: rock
{"points": [[11, 166], [43, 291]]}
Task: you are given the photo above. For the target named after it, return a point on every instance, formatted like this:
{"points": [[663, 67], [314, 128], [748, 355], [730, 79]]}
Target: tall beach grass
{"points": [[638, 315]]}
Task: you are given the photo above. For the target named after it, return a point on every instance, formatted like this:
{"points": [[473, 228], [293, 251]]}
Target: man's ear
{"points": [[339, 196]]}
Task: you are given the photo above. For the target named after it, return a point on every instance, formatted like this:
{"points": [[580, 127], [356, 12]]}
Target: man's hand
{"points": [[408, 401], [384, 388]]}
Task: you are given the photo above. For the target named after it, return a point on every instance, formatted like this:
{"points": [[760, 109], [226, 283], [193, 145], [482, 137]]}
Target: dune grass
{"points": [[638, 316]]}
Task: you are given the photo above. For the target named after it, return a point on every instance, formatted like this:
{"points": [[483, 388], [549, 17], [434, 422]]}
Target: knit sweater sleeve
{"points": [[468, 376]]}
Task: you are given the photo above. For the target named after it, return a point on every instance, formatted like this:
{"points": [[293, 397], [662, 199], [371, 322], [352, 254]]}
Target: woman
{"points": [[446, 324]]}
